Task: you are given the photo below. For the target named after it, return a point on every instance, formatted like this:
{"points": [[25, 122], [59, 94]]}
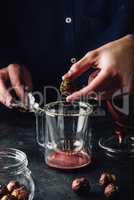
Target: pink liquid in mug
{"points": [[68, 160]]}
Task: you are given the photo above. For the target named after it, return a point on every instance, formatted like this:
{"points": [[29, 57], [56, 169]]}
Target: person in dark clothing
{"points": [[44, 38]]}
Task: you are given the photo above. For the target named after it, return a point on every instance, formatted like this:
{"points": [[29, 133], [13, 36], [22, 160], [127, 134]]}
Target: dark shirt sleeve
{"points": [[121, 24], [132, 34]]}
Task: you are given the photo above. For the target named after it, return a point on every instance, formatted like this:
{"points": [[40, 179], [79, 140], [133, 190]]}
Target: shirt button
{"points": [[68, 20], [73, 60]]}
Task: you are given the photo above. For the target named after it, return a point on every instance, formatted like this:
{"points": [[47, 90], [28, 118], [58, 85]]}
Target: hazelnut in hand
{"points": [[106, 178], [20, 193], [80, 185], [111, 191], [67, 87], [12, 185], [8, 197]]}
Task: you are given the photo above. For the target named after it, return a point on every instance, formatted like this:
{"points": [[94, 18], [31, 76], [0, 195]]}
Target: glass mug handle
{"points": [[40, 128]]}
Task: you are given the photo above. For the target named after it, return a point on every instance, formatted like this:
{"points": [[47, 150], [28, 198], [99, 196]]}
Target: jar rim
{"points": [[49, 108], [12, 160]]}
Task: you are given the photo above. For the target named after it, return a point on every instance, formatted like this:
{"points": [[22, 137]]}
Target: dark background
{"points": [[34, 33]]}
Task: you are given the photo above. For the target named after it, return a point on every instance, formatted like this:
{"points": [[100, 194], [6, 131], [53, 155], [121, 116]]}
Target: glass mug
{"points": [[63, 130]]}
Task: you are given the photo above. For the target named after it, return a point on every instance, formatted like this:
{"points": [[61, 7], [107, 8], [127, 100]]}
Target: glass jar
{"points": [[13, 167]]}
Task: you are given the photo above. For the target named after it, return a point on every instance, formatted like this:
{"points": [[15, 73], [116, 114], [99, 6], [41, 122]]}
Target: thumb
{"points": [[82, 65], [96, 84]]}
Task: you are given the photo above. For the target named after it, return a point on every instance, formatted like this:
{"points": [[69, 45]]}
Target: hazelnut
{"points": [[12, 185], [3, 191], [111, 191], [81, 185], [66, 87], [8, 197], [107, 178], [20, 193]]}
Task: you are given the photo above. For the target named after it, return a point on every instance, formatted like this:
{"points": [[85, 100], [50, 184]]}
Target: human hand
{"points": [[14, 78], [115, 62]]}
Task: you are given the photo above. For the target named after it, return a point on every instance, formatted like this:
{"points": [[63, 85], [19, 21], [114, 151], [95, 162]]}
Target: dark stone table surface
{"points": [[17, 130]]}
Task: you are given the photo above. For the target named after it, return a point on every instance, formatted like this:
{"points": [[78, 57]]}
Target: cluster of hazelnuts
{"points": [[13, 191], [106, 182]]}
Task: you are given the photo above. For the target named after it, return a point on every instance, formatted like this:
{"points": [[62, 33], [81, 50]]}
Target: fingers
{"points": [[17, 83], [5, 96], [82, 65], [20, 80], [96, 84], [27, 80], [28, 84]]}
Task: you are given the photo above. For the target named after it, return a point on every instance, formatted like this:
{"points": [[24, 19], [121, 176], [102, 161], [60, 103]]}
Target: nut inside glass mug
{"points": [[64, 130], [15, 175]]}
